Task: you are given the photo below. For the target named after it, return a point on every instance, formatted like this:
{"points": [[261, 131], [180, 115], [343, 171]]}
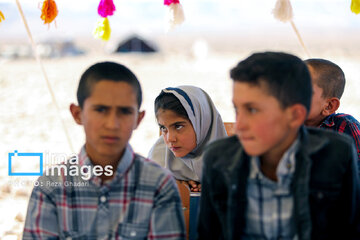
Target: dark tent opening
{"points": [[135, 44]]}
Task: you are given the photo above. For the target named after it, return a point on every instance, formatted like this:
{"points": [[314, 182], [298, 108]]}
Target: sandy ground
{"points": [[30, 122]]}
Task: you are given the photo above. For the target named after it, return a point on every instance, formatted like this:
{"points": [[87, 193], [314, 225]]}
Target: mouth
{"points": [[175, 149], [110, 139], [245, 139]]}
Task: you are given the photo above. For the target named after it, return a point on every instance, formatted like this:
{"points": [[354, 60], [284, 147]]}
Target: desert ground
{"points": [[31, 123]]}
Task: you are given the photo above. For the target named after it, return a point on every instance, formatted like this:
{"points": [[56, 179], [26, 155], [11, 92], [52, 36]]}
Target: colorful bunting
{"points": [[102, 29], [283, 10], [176, 13], [49, 11], [2, 17], [355, 6], [106, 8]]}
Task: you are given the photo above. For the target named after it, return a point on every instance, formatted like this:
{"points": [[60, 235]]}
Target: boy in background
{"points": [[123, 195], [277, 179], [328, 82]]}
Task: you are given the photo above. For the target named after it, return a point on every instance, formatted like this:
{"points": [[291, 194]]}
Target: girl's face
{"points": [[178, 132]]}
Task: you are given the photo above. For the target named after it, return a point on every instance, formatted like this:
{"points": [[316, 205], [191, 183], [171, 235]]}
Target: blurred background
{"points": [[215, 36]]}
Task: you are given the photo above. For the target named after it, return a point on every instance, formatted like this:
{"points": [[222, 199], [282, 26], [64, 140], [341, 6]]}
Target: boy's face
{"points": [[109, 116], [262, 126], [318, 102]]}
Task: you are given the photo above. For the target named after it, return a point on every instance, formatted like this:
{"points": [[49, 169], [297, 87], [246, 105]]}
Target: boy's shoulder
{"points": [[149, 168], [326, 142], [337, 119], [222, 150], [344, 116], [224, 144], [150, 171], [323, 135]]}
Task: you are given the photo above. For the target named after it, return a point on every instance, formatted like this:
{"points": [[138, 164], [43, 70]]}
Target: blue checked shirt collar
{"points": [[285, 169], [269, 213]]}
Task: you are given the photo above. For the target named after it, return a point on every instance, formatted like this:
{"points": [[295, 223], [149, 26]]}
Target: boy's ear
{"points": [[332, 104], [141, 115], [297, 115], [76, 113]]}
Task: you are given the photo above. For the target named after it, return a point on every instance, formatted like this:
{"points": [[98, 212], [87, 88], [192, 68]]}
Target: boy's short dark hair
{"points": [[285, 76], [106, 71], [329, 77]]}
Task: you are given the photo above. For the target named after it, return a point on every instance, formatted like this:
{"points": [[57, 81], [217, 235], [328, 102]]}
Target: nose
{"points": [[241, 122], [170, 136], [112, 121]]}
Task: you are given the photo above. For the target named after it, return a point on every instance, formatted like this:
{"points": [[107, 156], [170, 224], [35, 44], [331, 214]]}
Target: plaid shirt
{"points": [[344, 123], [269, 213], [140, 202]]}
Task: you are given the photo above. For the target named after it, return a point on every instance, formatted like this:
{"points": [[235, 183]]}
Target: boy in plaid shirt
{"points": [[328, 81], [107, 191]]}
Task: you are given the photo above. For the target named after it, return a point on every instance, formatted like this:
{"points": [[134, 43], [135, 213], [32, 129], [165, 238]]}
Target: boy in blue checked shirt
{"points": [[328, 81], [108, 191], [277, 179]]}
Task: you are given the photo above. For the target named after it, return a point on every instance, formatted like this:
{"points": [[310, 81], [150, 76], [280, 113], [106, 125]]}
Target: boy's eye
{"points": [[126, 111], [100, 109], [252, 110], [235, 109]]}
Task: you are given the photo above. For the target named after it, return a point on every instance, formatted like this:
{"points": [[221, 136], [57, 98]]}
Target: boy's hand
{"points": [[194, 186]]}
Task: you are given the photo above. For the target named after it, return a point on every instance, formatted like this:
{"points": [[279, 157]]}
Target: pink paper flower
{"points": [[106, 8], [168, 2]]}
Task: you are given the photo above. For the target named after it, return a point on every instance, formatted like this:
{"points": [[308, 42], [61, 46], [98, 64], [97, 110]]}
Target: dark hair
{"points": [[329, 77], [106, 71], [168, 101], [286, 77]]}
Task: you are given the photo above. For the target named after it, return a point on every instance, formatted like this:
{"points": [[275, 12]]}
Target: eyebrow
{"points": [[128, 108], [173, 124], [248, 104]]}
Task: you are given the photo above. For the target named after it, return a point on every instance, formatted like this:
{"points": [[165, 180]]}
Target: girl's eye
{"points": [[162, 129], [178, 127]]}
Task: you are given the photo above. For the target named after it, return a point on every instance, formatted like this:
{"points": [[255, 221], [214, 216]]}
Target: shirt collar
{"points": [[124, 164], [285, 168], [328, 121]]}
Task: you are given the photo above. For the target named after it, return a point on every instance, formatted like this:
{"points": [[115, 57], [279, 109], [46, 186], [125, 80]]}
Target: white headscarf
{"points": [[207, 124]]}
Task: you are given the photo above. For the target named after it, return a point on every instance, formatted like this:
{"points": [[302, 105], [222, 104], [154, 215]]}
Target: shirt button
{"points": [[102, 199], [132, 233], [320, 195]]}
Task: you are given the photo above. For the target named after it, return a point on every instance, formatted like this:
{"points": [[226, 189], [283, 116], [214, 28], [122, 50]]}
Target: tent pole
{"points": [[300, 38], [38, 59]]}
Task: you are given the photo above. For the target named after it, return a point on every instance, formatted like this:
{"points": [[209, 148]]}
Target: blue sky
{"points": [[78, 17]]}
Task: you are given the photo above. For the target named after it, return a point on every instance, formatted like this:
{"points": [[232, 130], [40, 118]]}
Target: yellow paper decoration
{"points": [[102, 29], [49, 11], [355, 6], [2, 17]]}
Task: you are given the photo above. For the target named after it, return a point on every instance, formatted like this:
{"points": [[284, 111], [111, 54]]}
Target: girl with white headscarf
{"points": [[188, 121]]}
